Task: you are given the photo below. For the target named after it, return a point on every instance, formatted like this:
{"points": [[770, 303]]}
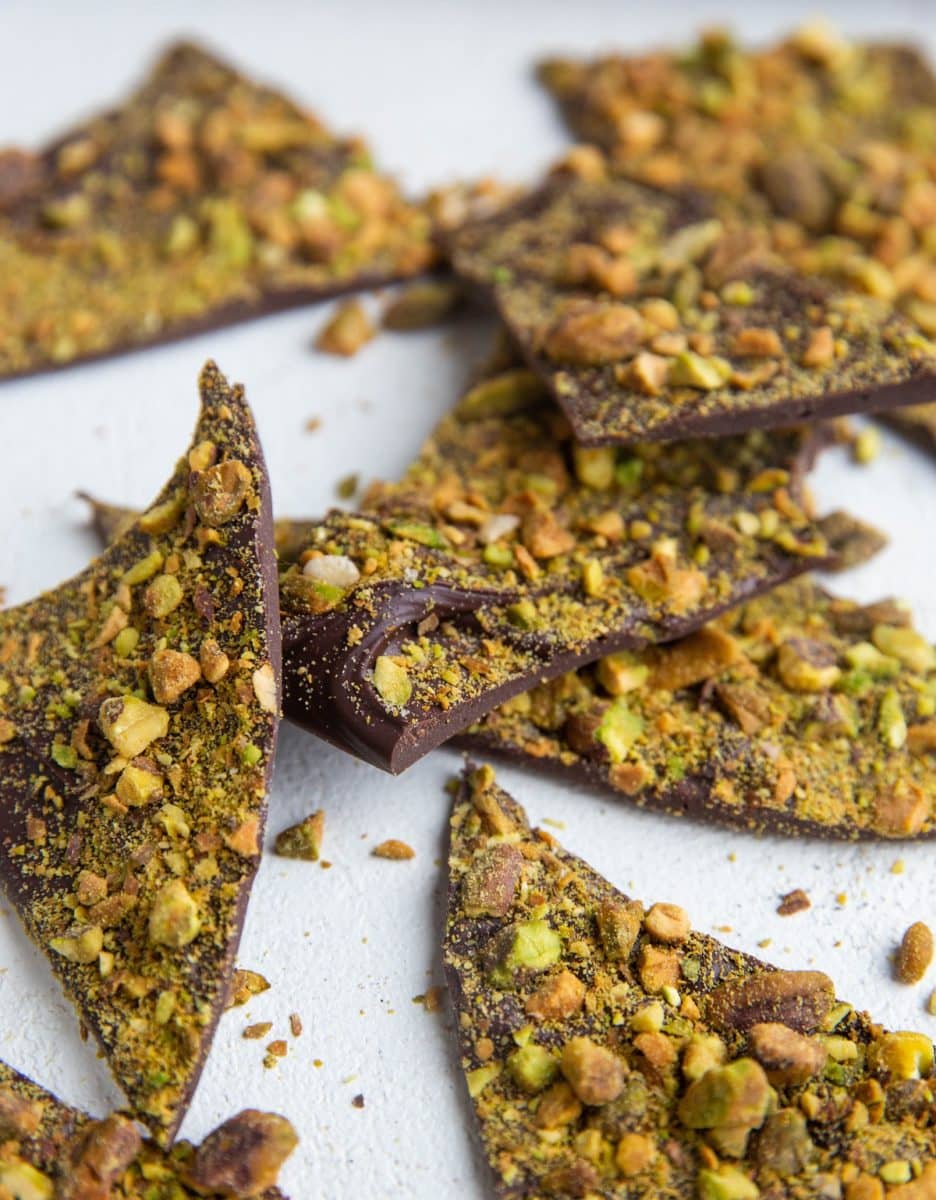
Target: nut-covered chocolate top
{"points": [[52, 1151], [798, 711], [611, 1051], [138, 713], [657, 315], [204, 198], [508, 553]]}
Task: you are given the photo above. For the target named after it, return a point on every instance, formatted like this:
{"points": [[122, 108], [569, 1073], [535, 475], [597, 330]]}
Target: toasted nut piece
{"points": [[244, 985], [264, 686], [921, 739], [619, 924], [303, 840], [595, 1073], [757, 343], [18, 1117], [346, 331], [595, 335], [901, 812], [103, 1152], [798, 999], [807, 666], [784, 1144], [139, 783], [787, 1056], [693, 659], [820, 349], [732, 1097], [556, 998], [130, 724], [544, 537], [667, 923], [559, 1106], [704, 1051], [219, 492], [903, 1055], [174, 918], [393, 848], [163, 596], [490, 883], [242, 1158], [392, 682], [213, 661], [532, 1067], [522, 946], [171, 673], [914, 954], [647, 373], [635, 1152], [725, 1183], [657, 968], [83, 947]]}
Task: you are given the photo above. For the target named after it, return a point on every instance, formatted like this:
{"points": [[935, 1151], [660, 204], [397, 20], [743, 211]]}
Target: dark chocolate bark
{"points": [[139, 705], [51, 1149], [612, 1051], [507, 554], [798, 713], [204, 199], [659, 316]]}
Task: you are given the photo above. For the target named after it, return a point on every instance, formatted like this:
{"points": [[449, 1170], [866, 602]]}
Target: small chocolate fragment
{"points": [[797, 713], [734, 1080], [53, 1150], [134, 779], [656, 315], [204, 199], [793, 902]]}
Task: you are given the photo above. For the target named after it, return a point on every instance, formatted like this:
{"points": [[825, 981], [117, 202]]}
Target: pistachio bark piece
{"points": [[628, 1093], [916, 422], [52, 1149], [214, 194], [141, 842], [476, 573], [723, 366], [736, 738]]}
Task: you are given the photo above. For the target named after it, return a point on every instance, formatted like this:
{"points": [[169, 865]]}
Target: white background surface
{"points": [[443, 91]]}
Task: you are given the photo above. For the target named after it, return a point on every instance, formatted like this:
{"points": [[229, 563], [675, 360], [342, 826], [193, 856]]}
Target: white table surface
{"points": [[444, 90]]}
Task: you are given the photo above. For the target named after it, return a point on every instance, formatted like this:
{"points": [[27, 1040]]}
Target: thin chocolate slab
{"points": [[51, 1149], [204, 199], [612, 1051], [779, 121], [507, 554], [139, 705], [659, 316], [798, 713]]}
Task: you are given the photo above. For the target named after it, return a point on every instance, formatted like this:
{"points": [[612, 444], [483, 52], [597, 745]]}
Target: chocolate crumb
{"points": [[358, 1101]]}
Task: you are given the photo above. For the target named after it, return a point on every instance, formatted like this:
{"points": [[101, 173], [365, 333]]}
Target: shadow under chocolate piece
{"points": [[204, 199], [51, 1149], [797, 713], [507, 555], [612, 1051], [139, 705], [661, 316]]}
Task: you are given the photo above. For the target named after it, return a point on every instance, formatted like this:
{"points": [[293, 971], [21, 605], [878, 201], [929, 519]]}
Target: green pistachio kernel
{"points": [[392, 681], [126, 642], [525, 945], [619, 729], [892, 724], [532, 1067], [415, 531], [65, 756]]}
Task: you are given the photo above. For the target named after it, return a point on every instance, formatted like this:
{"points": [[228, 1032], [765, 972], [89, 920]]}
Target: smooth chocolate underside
{"points": [[250, 541]]}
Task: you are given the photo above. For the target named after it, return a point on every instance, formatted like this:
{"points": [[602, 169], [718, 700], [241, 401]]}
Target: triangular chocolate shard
{"points": [[51, 1149], [204, 199], [139, 705], [508, 555], [798, 713], [656, 315], [611, 1051]]}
